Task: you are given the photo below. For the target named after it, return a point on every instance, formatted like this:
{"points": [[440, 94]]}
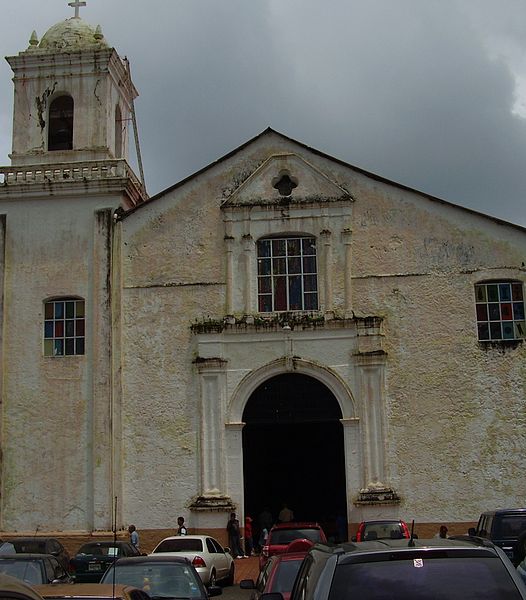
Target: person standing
{"points": [[249, 542], [285, 514], [234, 536], [134, 536], [181, 527], [442, 532]]}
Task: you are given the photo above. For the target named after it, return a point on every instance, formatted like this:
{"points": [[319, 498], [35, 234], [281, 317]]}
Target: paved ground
{"points": [[247, 568]]}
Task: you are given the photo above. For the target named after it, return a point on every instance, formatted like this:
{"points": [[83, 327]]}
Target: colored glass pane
{"points": [[295, 296], [309, 264], [265, 285], [482, 312], [483, 329], [518, 311], [493, 293], [310, 283], [79, 346], [280, 266], [311, 301], [264, 248], [70, 346], [79, 327], [80, 308], [480, 293], [293, 247], [70, 310], [280, 293], [59, 310], [278, 247], [495, 331], [494, 312], [70, 328], [59, 348], [48, 310], [295, 265], [48, 347], [508, 332], [48, 329], [516, 291], [504, 292], [265, 303], [505, 311], [59, 329], [309, 246], [264, 266], [520, 329]]}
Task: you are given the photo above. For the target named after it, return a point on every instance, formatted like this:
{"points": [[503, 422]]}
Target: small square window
{"points": [[64, 327], [500, 311]]}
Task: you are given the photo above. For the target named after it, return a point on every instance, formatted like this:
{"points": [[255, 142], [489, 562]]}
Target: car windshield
{"points": [[26, 570], [285, 536], [441, 578], [379, 531], [510, 526], [181, 544], [29, 546], [99, 550], [285, 576], [160, 580]]}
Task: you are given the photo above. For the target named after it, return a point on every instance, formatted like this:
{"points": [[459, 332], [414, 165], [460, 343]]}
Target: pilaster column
{"points": [[212, 386], [229, 243], [248, 248], [347, 242], [325, 236]]}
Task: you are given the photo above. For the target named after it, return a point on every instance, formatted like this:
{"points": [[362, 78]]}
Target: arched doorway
{"points": [[293, 450]]}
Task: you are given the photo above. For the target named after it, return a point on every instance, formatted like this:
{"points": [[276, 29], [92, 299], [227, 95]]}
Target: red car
{"points": [[382, 530], [278, 574], [281, 535]]}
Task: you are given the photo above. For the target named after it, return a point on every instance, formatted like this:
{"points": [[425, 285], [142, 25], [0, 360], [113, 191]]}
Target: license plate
{"points": [[94, 567]]}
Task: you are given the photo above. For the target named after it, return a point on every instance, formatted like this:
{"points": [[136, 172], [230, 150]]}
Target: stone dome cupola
{"points": [[70, 35]]}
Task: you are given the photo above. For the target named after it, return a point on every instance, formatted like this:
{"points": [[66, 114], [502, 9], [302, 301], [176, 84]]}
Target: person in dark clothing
{"points": [[234, 536]]}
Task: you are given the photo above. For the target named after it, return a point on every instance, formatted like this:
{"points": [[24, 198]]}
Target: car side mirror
{"points": [[214, 590], [247, 584]]}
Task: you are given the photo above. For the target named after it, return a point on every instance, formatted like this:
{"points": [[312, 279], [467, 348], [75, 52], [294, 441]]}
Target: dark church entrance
{"points": [[293, 451]]}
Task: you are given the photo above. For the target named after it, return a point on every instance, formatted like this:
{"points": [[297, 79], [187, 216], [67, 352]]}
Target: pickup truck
{"points": [[506, 528]]}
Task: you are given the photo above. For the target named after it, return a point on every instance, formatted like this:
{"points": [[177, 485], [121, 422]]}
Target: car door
{"points": [[57, 570], [219, 557]]}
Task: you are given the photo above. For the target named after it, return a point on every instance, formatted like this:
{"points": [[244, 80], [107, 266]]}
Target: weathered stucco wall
{"points": [[453, 409]]}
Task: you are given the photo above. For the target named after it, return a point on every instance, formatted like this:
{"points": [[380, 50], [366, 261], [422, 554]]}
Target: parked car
{"points": [[14, 589], [34, 568], [160, 576], [213, 562], [91, 591], [37, 545], [505, 528], [277, 575], [282, 534], [460, 568], [92, 559], [382, 530]]}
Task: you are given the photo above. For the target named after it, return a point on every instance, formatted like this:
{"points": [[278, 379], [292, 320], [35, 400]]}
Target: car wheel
{"points": [[230, 577], [212, 580]]}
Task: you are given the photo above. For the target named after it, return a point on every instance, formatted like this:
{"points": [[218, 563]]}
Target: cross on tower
{"points": [[76, 5]]}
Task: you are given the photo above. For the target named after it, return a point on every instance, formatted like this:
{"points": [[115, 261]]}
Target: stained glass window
{"points": [[500, 311], [64, 327], [287, 274]]}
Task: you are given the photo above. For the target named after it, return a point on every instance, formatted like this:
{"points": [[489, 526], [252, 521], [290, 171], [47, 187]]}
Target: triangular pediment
{"points": [[287, 178]]}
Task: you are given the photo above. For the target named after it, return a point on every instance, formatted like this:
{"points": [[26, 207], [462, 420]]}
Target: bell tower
{"points": [[73, 97]]}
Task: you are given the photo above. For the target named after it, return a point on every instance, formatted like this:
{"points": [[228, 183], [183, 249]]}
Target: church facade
{"points": [[279, 327]]}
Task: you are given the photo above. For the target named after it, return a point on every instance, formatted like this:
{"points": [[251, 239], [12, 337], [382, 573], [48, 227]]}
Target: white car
{"points": [[213, 562]]}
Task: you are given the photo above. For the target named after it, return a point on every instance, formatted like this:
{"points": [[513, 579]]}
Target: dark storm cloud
{"points": [[419, 92]]}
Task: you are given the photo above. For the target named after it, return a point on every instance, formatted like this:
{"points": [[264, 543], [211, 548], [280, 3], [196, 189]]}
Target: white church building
{"points": [[279, 327]]}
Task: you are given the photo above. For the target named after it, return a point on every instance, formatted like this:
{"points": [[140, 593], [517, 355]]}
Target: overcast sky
{"points": [[427, 93]]}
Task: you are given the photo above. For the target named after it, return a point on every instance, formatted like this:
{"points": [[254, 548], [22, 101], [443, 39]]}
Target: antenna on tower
{"points": [[135, 130]]}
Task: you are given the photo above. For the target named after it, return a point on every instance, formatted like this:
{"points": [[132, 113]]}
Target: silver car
{"points": [[213, 562]]}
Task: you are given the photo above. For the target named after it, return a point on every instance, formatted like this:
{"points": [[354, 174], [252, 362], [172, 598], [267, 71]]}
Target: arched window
{"points": [[287, 274], [60, 126], [500, 310], [118, 132], [64, 327]]}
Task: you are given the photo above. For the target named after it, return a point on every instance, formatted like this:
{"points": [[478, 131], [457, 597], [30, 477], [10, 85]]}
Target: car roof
{"points": [[349, 551], [370, 522], [84, 590], [187, 537], [26, 556], [12, 585], [158, 558], [104, 543], [297, 525], [31, 539], [289, 556], [499, 511]]}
